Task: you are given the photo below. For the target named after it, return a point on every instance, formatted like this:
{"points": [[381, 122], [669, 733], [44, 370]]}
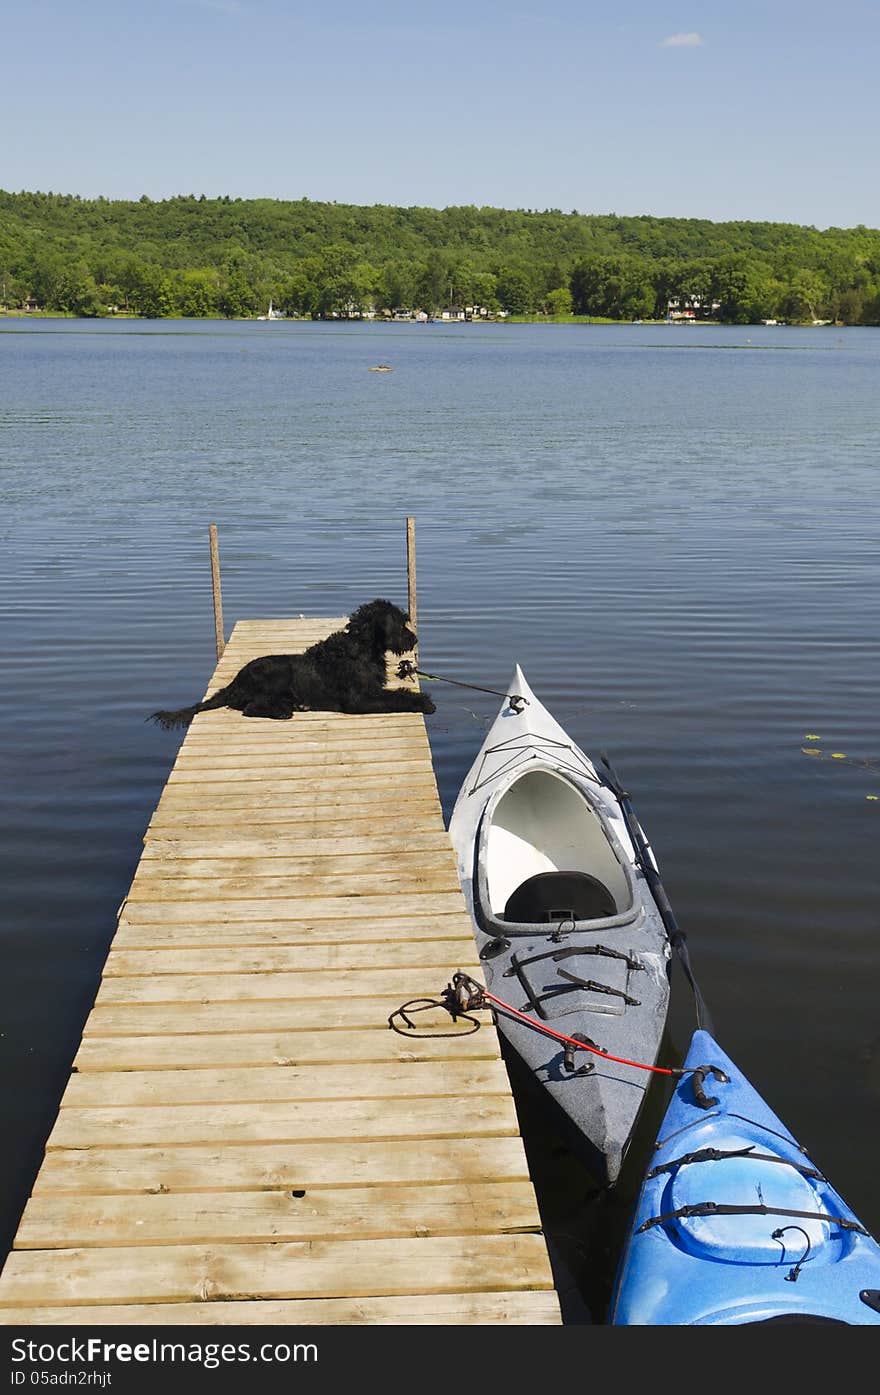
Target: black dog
{"points": [[343, 673]]}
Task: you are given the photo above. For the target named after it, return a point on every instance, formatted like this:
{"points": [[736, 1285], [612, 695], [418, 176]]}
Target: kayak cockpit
{"points": [[546, 853]]}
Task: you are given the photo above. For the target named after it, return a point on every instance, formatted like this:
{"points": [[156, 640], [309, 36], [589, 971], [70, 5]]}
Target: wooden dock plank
{"points": [[318, 1269], [224, 722], [529, 1308], [301, 868], [194, 845], [402, 984], [363, 871], [225, 1051], [345, 903], [230, 792], [389, 954], [257, 1015], [361, 815], [243, 1139], [285, 1121], [239, 761], [218, 754], [354, 930], [271, 887], [329, 769], [320, 1080], [479, 1208], [294, 1166]]}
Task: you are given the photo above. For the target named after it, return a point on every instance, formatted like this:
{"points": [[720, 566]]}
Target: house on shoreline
{"points": [[693, 307]]}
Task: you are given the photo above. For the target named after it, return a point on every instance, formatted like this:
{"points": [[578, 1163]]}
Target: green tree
{"points": [[237, 299], [614, 287], [806, 297], [300, 294], [436, 284], [558, 302], [198, 293], [515, 290], [149, 291], [735, 285]]}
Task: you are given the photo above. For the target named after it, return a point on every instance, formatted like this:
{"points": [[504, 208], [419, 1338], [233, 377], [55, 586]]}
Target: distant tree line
{"points": [[194, 256]]}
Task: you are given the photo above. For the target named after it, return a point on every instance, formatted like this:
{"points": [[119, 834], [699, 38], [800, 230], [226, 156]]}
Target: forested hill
{"points": [[198, 256]]}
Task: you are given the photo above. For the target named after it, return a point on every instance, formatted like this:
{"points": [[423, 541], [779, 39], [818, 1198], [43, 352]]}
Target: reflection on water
{"points": [[676, 541]]}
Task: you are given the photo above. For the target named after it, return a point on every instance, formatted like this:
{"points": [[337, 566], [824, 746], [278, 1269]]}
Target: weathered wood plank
{"points": [[330, 1268], [197, 846], [283, 1121], [296, 738], [162, 960], [292, 630], [364, 812], [298, 794], [292, 988], [224, 721], [350, 866], [477, 1209], [266, 1048], [314, 769], [148, 887], [397, 907], [297, 1166], [295, 625], [339, 779], [532, 1308], [317, 1081], [305, 1015], [279, 987], [253, 933], [303, 755]]}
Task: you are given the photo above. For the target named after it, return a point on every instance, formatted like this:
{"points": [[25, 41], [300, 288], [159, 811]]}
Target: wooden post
{"points": [[215, 581], [411, 572]]}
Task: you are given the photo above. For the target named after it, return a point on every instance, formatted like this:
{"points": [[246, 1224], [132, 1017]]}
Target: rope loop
{"points": [[460, 999]]}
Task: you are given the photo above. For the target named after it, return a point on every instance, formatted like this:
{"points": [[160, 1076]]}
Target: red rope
{"points": [[571, 1041]]}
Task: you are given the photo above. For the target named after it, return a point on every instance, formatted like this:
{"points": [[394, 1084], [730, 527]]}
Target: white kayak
{"points": [[568, 931]]}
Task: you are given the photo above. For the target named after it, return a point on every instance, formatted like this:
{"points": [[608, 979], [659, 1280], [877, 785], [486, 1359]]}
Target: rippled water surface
{"points": [[673, 529]]}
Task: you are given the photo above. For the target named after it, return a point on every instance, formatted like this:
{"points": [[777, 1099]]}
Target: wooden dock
{"points": [[243, 1139]]}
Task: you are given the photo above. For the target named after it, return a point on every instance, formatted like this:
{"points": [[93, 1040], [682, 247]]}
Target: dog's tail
{"points": [[182, 717]]}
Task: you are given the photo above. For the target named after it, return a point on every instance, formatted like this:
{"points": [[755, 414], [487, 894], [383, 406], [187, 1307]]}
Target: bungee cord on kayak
{"points": [[701, 1155], [731, 1114], [723, 1208], [793, 1274]]}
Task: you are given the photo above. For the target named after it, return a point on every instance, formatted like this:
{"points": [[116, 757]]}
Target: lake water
{"points": [[673, 529]]}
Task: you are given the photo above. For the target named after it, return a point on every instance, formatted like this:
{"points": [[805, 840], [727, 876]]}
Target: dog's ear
{"points": [[399, 637], [371, 614], [363, 620]]}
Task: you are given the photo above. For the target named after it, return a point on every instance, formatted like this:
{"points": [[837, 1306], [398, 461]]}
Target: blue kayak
{"points": [[734, 1224]]}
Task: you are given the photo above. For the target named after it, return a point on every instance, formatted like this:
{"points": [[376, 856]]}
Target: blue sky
{"points": [[691, 108]]}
